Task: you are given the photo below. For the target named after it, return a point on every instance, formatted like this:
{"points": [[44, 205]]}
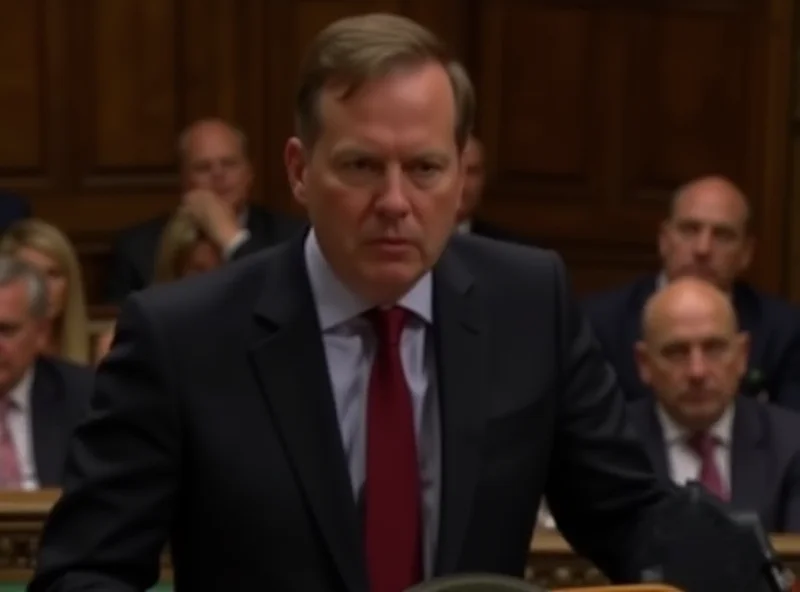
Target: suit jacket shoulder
{"points": [[221, 297], [272, 227], [71, 381], [615, 317], [133, 258], [780, 425], [619, 302], [60, 401], [774, 328]]}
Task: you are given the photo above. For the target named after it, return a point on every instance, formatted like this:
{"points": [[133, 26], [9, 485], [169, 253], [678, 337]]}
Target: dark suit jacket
{"points": [[765, 459], [135, 249], [774, 327], [489, 230], [59, 401], [214, 426], [12, 209]]}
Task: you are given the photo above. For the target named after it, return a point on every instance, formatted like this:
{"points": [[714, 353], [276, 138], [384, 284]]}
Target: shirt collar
{"points": [[337, 304], [20, 394], [674, 433]]}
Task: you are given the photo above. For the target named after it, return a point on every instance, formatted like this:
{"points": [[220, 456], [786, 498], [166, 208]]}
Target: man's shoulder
{"points": [[639, 411], [147, 230], [782, 421], [278, 225], [630, 297], [72, 382], [770, 309], [501, 257], [232, 288], [66, 369]]}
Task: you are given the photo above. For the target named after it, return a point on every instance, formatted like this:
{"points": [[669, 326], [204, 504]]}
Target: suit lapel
{"points": [[288, 359], [653, 439], [749, 456], [50, 431], [460, 359]]}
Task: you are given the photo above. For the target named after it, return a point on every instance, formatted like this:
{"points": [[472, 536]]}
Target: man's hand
{"points": [[216, 218]]}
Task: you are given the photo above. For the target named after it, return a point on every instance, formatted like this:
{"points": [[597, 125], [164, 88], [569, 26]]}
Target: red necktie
{"points": [[704, 445], [392, 525]]}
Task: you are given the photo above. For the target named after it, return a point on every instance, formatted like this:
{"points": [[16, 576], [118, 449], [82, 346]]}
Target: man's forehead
{"points": [[710, 205], [693, 329]]}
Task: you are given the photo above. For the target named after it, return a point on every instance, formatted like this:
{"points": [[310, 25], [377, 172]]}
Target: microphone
{"points": [[778, 578], [694, 542]]}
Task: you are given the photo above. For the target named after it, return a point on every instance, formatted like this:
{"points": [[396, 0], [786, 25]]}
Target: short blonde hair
{"points": [[47, 239], [178, 238], [358, 49]]}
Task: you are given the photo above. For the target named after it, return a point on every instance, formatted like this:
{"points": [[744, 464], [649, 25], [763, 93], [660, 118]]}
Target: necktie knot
{"points": [[703, 443], [388, 323]]}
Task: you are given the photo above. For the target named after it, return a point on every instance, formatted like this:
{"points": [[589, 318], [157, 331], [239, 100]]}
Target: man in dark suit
{"points": [[693, 356], [217, 177], [368, 405], [707, 236], [41, 399]]}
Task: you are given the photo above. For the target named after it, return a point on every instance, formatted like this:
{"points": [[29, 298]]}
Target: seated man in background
{"points": [[707, 236], [696, 428], [217, 178], [42, 399]]}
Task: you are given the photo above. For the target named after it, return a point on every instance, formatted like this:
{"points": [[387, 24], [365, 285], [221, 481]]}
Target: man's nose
{"points": [[698, 364], [702, 243], [393, 200]]}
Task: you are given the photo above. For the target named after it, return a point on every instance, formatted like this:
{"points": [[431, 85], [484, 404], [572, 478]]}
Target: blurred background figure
{"points": [[707, 235], [42, 397], [184, 250], [46, 248], [217, 180], [698, 427]]}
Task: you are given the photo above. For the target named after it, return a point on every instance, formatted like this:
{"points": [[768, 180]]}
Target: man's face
{"points": [[214, 159], [22, 336], [693, 358], [706, 236], [382, 183]]}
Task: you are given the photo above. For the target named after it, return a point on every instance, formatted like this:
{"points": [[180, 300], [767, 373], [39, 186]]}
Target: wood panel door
{"points": [[594, 112]]}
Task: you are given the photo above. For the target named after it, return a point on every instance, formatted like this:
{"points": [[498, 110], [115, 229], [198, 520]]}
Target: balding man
{"points": [[217, 178], [707, 236], [696, 428]]}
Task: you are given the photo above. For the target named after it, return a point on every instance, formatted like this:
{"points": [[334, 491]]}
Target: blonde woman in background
{"points": [[45, 247], [184, 250]]}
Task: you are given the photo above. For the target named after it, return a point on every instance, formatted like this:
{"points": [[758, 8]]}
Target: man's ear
{"points": [[295, 157]]}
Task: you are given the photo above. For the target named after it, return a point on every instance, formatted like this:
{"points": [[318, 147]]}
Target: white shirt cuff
{"points": [[241, 237]]}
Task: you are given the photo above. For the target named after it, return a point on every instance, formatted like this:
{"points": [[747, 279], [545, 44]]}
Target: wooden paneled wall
{"points": [[592, 110]]}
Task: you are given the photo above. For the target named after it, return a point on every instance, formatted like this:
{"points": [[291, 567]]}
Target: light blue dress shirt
{"points": [[349, 342]]}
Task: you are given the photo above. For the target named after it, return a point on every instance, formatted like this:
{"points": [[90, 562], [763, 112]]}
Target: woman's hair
{"points": [[179, 237], [45, 238]]}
